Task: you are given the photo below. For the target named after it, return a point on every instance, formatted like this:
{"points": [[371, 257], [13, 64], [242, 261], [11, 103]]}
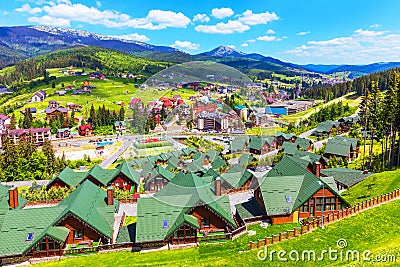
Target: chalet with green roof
{"points": [[84, 217], [123, 177], [284, 137], [290, 193], [326, 128], [345, 178], [262, 145], [343, 147], [184, 208], [239, 144]]}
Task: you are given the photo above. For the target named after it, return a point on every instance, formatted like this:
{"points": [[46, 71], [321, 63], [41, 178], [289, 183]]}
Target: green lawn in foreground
{"points": [[373, 186], [375, 229]]}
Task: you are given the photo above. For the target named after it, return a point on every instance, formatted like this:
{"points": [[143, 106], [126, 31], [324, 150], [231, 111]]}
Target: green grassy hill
{"points": [[373, 186]]}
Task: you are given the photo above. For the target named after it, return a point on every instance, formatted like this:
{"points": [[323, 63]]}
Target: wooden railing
{"points": [[315, 223]]}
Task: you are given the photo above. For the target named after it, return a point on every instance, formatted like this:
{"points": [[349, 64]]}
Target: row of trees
{"points": [[103, 116], [358, 85], [23, 161], [380, 117]]}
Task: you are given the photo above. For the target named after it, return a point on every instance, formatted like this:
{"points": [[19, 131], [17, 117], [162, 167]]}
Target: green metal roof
{"points": [[250, 209], [289, 180], [217, 163], [289, 148], [341, 146], [236, 179], [95, 211], [59, 233], [19, 223], [258, 142], [239, 143], [104, 176], [348, 177], [303, 143], [285, 136], [326, 126]]}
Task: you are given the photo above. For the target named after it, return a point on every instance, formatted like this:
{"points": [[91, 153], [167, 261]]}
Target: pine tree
{"points": [[72, 119], [51, 158], [375, 110], [121, 116], [13, 122], [364, 117], [27, 119], [93, 117]]}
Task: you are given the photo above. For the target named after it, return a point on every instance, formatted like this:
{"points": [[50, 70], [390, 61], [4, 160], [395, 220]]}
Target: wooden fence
{"points": [[330, 218], [86, 250]]}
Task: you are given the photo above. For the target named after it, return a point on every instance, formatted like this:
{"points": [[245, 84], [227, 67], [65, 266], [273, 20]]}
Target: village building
{"points": [[56, 112], [122, 177], [327, 127], [262, 145], [290, 193], [63, 133], [215, 121], [346, 178], [342, 147], [120, 126], [39, 135], [39, 96], [4, 121], [182, 209], [86, 216], [85, 130], [136, 102]]}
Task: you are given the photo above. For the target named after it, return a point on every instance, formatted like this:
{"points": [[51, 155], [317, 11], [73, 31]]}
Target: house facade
{"points": [[40, 135]]}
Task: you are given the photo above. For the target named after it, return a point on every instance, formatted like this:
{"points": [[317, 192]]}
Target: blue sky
{"points": [[298, 31]]}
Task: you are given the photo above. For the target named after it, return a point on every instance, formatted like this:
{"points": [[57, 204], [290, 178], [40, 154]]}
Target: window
{"points": [[304, 207], [205, 222], [165, 224], [330, 203], [341, 205], [29, 237], [319, 204], [125, 183], [78, 234], [117, 184]]}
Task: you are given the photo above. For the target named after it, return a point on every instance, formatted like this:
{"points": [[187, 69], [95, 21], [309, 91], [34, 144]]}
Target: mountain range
{"points": [[22, 42]]}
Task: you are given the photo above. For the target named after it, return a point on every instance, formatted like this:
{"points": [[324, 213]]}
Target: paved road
{"points": [[108, 161]]}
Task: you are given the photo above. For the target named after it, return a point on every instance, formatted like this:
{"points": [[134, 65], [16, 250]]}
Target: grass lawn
{"points": [[269, 131], [373, 186], [375, 230]]}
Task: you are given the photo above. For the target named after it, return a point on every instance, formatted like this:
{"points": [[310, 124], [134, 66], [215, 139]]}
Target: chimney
{"points": [[217, 187], [13, 197], [317, 169], [110, 196]]}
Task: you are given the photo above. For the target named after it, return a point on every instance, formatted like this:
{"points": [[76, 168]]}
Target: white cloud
{"points": [[303, 33], [98, 4], [50, 21], [221, 13], [133, 37], [368, 33], [251, 41], [5, 13], [229, 27], [186, 45], [231, 46], [250, 18], [201, 18], [245, 44], [374, 26], [266, 38], [65, 10], [362, 47], [270, 31], [26, 8], [281, 38]]}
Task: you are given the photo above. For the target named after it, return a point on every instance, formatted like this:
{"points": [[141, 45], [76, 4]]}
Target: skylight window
{"points": [[29, 237], [165, 224], [288, 199]]}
